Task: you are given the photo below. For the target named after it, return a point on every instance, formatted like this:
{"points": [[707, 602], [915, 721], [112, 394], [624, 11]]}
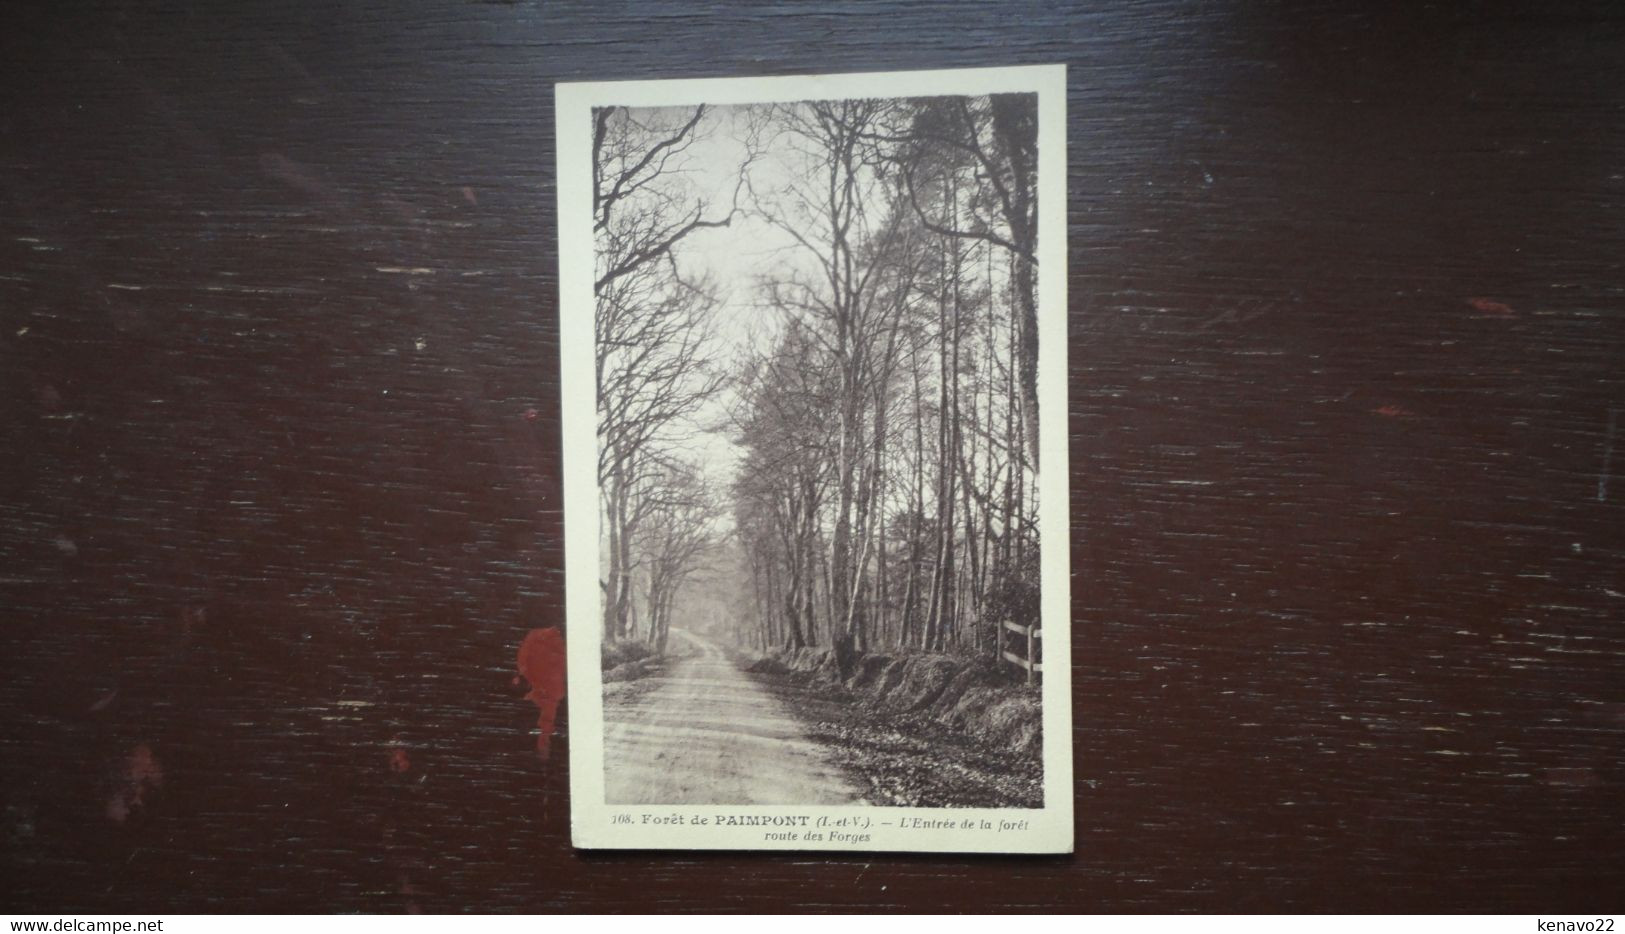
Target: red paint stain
{"points": [[410, 892], [468, 195], [1492, 308], [294, 175], [143, 774], [1394, 411], [144, 767], [541, 662], [399, 761], [531, 415], [105, 702], [1573, 777]]}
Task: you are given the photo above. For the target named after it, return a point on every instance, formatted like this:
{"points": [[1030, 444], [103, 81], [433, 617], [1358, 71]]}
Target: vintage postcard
{"points": [[815, 462]]}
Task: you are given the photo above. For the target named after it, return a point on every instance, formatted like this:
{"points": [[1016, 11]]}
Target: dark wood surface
{"points": [[1346, 346]]}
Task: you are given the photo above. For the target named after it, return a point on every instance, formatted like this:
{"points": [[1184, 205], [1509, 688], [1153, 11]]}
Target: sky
{"points": [[735, 257]]}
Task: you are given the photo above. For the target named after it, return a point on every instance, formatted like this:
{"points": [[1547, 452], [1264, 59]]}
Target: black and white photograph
{"points": [[806, 330]]}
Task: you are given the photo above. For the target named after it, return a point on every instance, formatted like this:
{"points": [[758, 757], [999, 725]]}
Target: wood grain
{"points": [[279, 493]]}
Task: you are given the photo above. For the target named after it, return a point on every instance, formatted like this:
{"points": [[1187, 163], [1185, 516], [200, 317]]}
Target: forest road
{"points": [[702, 732]]}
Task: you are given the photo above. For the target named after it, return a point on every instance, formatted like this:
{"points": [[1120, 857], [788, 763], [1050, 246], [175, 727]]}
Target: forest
{"points": [[816, 356]]}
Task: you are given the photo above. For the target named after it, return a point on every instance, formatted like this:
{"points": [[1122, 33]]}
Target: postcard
{"points": [[815, 462]]}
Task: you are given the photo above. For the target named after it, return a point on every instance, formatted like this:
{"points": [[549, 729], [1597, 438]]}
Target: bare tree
{"points": [[886, 422], [654, 363], [840, 216], [786, 475], [999, 134], [677, 531]]}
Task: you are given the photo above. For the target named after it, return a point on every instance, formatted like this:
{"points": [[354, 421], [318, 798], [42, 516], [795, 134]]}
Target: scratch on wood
{"points": [[1607, 457]]}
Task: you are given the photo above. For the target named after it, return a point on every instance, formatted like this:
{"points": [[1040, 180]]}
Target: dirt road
{"points": [[702, 732]]}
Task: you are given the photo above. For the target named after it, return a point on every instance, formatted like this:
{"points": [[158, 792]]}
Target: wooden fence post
{"points": [[1030, 657]]}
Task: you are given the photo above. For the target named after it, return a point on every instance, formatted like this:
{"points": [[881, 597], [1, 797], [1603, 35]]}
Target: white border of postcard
{"points": [[956, 830]]}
